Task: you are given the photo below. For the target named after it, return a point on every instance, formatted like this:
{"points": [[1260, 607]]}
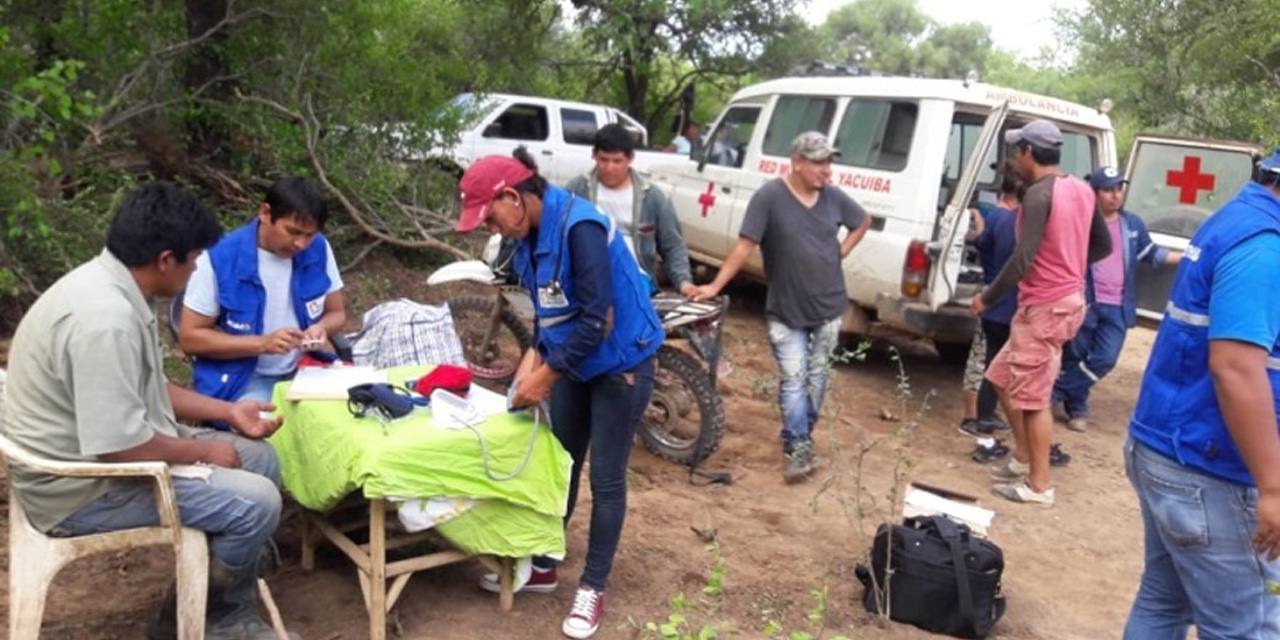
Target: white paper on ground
{"points": [[919, 502]]}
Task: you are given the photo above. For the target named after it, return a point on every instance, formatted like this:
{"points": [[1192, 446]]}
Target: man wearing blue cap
{"points": [[1111, 296], [1203, 452]]}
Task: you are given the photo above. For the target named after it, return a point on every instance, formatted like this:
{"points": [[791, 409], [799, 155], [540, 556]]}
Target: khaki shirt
{"points": [[86, 378]]}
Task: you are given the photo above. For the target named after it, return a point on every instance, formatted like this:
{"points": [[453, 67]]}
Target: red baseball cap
{"points": [[482, 182]]}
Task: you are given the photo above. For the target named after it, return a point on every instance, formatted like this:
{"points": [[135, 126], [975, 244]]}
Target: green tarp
{"points": [[326, 454]]}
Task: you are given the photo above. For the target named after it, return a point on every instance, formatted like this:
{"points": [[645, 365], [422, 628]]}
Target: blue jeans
{"points": [[804, 363], [238, 508], [601, 416], [1200, 567], [260, 387], [1089, 357]]}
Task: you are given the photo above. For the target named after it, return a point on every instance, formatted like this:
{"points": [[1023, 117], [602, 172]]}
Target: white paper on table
{"points": [[486, 402], [330, 383], [920, 502]]}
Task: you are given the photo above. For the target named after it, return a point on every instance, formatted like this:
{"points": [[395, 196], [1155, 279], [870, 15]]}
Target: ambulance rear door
{"points": [[1174, 185], [944, 274]]}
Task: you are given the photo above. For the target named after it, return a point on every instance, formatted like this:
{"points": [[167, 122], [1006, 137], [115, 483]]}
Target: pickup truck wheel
{"points": [[684, 406], [953, 353]]}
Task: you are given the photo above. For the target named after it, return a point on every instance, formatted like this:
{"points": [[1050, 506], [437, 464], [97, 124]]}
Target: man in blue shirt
{"points": [[1204, 448], [266, 293], [1112, 299], [994, 235]]}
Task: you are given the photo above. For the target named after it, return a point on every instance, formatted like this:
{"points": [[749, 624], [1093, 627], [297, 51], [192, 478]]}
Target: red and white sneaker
{"points": [[584, 618], [540, 581]]}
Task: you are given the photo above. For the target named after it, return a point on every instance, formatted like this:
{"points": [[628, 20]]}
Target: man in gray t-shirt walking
{"points": [[795, 220]]}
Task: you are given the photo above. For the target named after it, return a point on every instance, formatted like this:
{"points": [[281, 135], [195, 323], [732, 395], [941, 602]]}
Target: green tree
{"points": [[1192, 67], [882, 35], [889, 36], [640, 40], [951, 51]]}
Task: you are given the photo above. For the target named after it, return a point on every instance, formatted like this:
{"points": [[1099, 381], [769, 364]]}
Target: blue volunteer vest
{"points": [[1178, 413], [636, 334], [242, 303]]}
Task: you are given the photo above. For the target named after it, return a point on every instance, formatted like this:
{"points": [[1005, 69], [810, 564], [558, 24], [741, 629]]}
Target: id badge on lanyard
{"points": [[552, 296]]}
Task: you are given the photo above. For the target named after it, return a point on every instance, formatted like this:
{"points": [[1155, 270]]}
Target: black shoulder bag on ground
{"points": [[941, 578]]}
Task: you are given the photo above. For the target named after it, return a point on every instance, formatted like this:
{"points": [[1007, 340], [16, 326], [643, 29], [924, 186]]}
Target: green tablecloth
{"points": [[326, 453]]}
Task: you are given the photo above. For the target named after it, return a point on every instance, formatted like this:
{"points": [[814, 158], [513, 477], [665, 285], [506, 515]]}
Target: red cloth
{"points": [[446, 376], [308, 360]]}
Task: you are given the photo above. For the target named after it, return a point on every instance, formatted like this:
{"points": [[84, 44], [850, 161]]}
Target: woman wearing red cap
{"points": [[596, 336]]}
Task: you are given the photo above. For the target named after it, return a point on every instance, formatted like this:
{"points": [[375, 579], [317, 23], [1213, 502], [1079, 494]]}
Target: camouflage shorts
{"points": [[977, 362]]}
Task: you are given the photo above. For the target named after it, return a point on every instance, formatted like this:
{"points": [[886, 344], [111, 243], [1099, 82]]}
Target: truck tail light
{"points": [[915, 269]]}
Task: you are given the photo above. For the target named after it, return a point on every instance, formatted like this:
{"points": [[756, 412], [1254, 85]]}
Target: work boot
{"points": [[232, 613], [249, 627]]}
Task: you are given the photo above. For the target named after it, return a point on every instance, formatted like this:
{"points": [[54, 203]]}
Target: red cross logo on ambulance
{"points": [[1175, 183], [1190, 180], [708, 199]]}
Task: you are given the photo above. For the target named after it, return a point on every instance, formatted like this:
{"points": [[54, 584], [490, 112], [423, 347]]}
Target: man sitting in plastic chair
{"points": [[86, 382]]}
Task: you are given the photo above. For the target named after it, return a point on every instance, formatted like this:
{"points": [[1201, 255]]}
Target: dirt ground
{"points": [[1071, 570]]}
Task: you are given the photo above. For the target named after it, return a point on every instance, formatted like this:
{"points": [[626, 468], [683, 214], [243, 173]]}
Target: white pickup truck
{"points": [[914, 153], [559, 133]]}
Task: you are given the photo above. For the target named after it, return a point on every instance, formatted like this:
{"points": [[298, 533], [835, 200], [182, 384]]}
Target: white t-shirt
{"points": [[276, 274], [618, 204]]}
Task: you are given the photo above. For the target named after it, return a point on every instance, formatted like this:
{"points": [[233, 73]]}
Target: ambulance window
{"points": [[1077, 154], [794, 115], [727, 145], [963, 136], [876, 134]]}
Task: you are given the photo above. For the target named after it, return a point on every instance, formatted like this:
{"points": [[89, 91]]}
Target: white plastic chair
{"points": [[35, 558]]}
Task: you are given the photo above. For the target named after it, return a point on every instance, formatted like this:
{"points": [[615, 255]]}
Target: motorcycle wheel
{"points": [[684, 405], [498, 360]]}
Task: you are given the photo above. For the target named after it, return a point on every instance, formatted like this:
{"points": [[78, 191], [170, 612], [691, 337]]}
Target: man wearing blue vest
{"points": [[1111, 296], [1203, 452], [263, 295]]}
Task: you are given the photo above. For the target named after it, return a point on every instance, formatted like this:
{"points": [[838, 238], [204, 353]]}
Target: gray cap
{"points": [[1039, 133], [814, 146]]}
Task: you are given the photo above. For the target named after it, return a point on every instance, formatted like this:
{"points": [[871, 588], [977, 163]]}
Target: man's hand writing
{"points": [[280, 341], [314, 337]]}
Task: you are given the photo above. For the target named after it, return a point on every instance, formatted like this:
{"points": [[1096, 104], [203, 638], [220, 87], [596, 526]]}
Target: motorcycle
{"points": [[685, 420]]}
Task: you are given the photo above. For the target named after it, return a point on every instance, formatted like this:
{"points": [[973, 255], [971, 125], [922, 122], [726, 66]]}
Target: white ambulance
{"points": [[914, 152]]}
